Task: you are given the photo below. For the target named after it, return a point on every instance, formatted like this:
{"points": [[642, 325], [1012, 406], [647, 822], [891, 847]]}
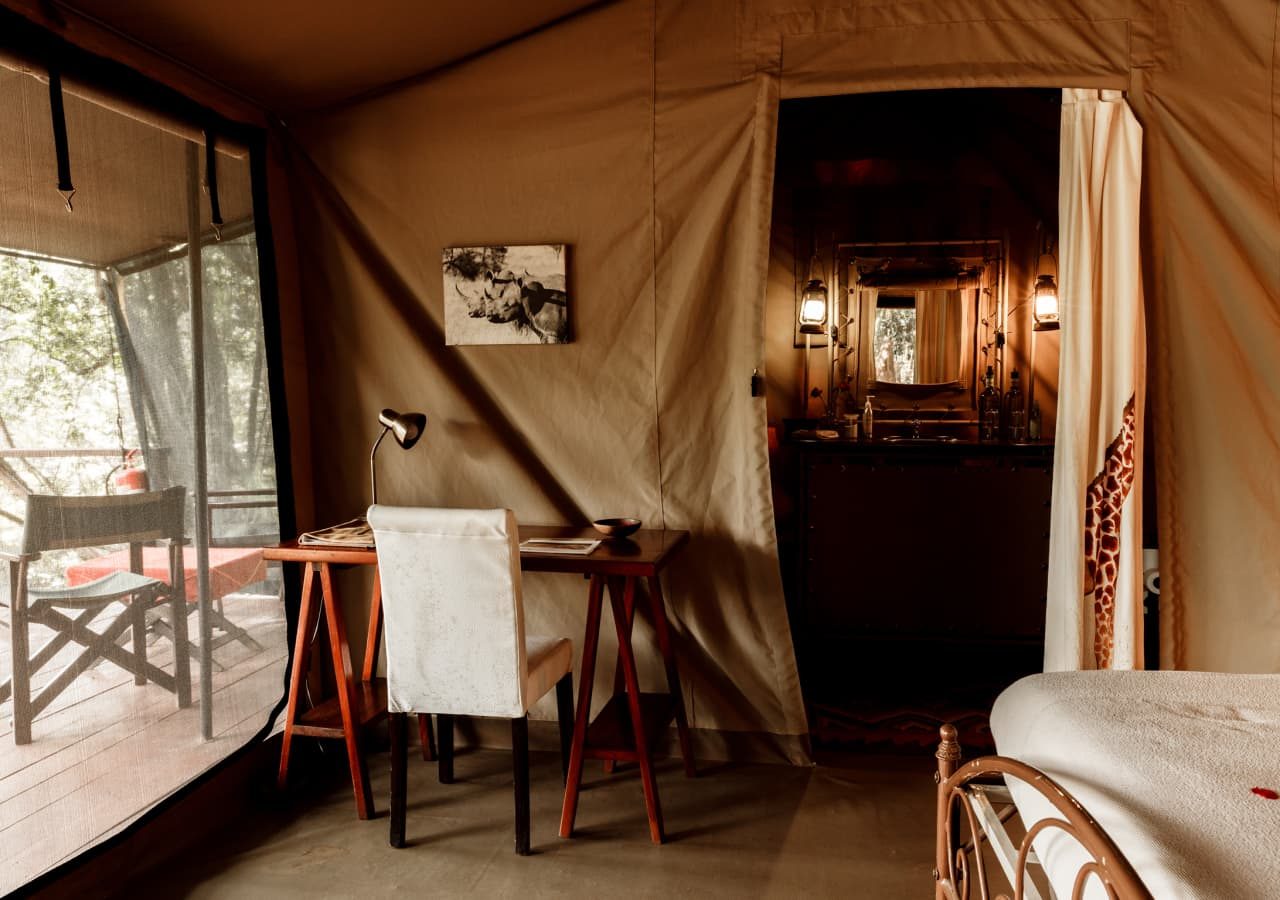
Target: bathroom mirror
{"points": [[916, 320]]}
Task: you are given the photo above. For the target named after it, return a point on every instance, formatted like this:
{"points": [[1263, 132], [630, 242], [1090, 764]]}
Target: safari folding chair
{"points": [[256, 498], [65, 523]]}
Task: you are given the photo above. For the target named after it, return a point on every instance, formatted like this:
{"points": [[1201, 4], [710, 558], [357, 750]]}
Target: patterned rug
{"points": [[905, 729]]}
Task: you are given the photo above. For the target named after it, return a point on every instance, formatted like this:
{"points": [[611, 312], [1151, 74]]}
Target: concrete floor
{"points": [[860, 828]]}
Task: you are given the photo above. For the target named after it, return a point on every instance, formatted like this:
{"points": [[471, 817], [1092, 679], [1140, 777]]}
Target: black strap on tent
{"points": [[211, 183], [65, 188]]}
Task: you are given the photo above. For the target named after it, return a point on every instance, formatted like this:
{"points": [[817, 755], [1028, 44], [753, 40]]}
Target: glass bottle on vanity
{"points": [[1015, 411], [989, 409], [1034, 423], [868, 418]]}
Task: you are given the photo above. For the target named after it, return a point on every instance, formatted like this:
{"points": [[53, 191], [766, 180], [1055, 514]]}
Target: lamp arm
{"points": [[1018, 307], [373, 472]]}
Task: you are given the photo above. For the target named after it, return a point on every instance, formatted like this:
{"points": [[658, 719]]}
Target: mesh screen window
{"points": [[118, 539]]}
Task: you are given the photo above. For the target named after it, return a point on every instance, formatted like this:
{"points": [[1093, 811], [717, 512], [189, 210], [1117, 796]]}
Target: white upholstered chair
{"points": [[455, 639]]}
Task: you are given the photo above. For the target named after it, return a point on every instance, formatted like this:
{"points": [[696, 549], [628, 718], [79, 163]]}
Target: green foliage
{"points": [[63, 381], [895, 345], [238, 406], [57, 355], [58, 367], [240, 450]]}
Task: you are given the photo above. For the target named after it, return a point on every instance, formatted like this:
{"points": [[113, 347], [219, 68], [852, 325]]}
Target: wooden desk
{"points": [[625, 729], [356, 702]]}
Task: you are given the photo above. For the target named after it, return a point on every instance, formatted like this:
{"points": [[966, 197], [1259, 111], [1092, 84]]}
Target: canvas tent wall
{"points": [[642, 134]]}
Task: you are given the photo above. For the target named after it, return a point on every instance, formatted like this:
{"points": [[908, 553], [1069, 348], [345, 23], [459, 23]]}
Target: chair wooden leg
{"points": [[426, 736], [444, 744], [138, 616], [520, 767], [398, 726], [564, 713], [22, 714], [181, 650]]}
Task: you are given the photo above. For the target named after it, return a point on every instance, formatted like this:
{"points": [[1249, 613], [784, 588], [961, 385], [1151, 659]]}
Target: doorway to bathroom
{"points": [[914, 543]]}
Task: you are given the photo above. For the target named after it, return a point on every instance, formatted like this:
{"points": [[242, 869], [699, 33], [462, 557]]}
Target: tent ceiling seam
{"points": [[1275, 109], [430, 72], [776, 22], [60, 27], [653, 230]]}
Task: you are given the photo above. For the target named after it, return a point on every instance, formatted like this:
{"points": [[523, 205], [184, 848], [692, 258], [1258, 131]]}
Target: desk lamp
{"points": [[406, 427]]}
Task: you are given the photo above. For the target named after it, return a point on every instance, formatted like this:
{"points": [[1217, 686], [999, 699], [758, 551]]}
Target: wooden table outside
{"points": [[627, 726], [230, 568]]}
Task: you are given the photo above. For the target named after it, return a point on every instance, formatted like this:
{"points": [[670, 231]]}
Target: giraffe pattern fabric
{"points": [[1103, 504]]}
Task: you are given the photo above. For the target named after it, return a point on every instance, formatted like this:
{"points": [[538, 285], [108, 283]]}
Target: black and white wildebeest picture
{"points": [[505, 295]]}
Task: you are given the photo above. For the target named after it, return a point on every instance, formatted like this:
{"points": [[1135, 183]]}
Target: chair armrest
{"points": [[14, 557]]}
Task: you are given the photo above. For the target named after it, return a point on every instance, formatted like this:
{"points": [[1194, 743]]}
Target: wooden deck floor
{"points": [[106, 749]]}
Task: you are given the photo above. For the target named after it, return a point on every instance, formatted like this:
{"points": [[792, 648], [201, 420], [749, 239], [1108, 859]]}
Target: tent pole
{"points": [[150, 258], [198, 450]]}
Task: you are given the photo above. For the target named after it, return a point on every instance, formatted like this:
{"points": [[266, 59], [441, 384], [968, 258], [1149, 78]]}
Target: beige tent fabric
{"points": [[648, 412], [882, 46], [1094, 613], [1199, 78], [115, 217], [715, 135], [1208, 106], [641, 134]]}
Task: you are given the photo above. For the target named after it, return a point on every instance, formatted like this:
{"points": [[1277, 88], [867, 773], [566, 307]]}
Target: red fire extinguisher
{"points": [[130, 477]]}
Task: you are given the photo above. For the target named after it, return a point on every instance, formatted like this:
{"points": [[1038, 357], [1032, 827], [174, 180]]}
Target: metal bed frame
{"points": [[968, 794]]}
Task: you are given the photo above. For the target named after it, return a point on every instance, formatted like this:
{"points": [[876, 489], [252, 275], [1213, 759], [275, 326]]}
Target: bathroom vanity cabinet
{"points": [[921, 570]]}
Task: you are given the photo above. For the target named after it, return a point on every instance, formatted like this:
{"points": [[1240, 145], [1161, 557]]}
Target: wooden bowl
{"points": [[617, 527]]}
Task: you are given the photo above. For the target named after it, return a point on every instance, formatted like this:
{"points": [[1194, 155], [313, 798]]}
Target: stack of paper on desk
{"points": [[559, 546], [355, 533]]}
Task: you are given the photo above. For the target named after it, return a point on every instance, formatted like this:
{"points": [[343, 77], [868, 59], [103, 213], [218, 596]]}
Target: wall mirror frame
{"points": [[918, 322]]}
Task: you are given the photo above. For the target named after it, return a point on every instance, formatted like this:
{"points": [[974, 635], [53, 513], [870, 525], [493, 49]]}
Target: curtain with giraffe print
{"points": [[1094, 609]]}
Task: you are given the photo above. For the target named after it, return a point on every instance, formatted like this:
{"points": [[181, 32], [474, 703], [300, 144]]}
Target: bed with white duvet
{"points": [[1180, 769]]}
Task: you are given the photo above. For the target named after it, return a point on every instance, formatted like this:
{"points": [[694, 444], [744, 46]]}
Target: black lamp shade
{"points": [[406, 427]]}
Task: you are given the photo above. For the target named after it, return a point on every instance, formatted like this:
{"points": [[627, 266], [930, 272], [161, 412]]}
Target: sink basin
{"points": [[935, 439]]}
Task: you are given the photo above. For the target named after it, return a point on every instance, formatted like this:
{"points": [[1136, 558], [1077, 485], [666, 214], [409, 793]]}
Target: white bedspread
{"points": [[1165, 761]]}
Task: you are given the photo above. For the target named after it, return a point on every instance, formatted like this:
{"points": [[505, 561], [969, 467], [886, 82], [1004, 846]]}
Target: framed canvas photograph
{"points": [[511, 294]]}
